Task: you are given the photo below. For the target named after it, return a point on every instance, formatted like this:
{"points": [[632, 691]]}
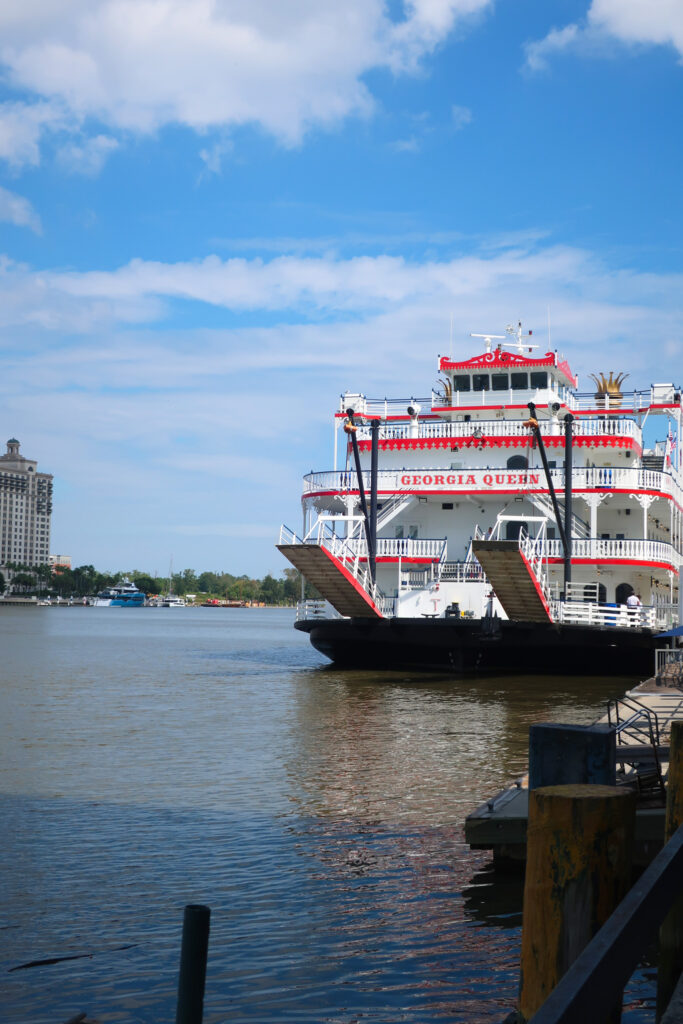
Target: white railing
{"points": [[312, 609], [635, 549], [430, 548], [463, 572], [589, 613], [450, 481], [510, 396], [629, 400], [436, 429]]}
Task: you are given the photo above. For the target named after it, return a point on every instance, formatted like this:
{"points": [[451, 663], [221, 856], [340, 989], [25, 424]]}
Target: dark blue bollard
{"points": [[193, 955], [561, 755]]}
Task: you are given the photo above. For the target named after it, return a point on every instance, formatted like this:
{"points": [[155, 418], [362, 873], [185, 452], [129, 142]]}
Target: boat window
{"points": [[499, 381], [412, 532], [480, 382], [519, 381], [461, 382], [539, 379], [518, 462], [398, 533]]}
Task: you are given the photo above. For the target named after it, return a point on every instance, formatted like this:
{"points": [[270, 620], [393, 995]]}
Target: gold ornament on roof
{"points": [[609, 389]]}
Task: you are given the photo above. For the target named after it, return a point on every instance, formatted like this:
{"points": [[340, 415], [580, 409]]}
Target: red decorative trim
{"points": [[403, 559], [489, 441], [497, 360], [352, 580], [616, 561], [501, 360]]}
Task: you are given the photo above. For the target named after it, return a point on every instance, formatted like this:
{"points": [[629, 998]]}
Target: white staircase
{"points": [[336, 571], [515, 570], [542, 502]]}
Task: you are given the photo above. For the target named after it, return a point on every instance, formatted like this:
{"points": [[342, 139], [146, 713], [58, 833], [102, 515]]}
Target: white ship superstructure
{"points": [[461, 471]]}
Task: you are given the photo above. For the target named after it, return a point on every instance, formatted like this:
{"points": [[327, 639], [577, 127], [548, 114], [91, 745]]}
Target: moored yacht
{"points": [[507, 522], [122, 595]]}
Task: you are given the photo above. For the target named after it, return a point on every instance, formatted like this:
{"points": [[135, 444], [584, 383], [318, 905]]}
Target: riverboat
{"points": [[122, 595], [508, 522]]}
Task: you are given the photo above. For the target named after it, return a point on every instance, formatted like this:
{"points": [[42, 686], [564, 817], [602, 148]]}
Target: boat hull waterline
{"points": [[482, 646]]}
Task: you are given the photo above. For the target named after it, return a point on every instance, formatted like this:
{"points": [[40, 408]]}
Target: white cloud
{"points": [[377, 302], [629, 22], [17, 210], [410, 145], [88, 156], [141, 64], [199, 422], [22, 126], [633, 21], [462, 116]]}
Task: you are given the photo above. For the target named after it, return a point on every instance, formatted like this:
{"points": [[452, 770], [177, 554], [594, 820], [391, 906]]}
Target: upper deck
{"points": [[657, 399]]}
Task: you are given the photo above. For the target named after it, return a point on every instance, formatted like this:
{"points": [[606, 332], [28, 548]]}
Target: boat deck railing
{"points": [[474, 430], [430, 479], [616, 616]]}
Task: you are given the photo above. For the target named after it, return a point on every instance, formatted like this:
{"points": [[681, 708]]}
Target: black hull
{"points": [[483, 646]]}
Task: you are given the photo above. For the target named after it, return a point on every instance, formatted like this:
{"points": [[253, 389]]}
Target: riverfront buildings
{"points": [[25, 509]]}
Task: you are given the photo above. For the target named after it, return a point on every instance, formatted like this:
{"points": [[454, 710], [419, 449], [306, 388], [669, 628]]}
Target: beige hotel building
{"points": [[25, 509]]}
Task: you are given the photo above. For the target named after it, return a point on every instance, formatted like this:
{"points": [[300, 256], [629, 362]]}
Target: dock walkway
{"points": [[500, 823]]}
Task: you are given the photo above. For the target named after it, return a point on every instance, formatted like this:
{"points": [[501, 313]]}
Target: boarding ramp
{"points": [[514, 568], [333, 569]]}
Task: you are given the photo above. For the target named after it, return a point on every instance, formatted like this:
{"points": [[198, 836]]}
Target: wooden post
{"points": [[578, 869], [671, 932], [193, 954]]}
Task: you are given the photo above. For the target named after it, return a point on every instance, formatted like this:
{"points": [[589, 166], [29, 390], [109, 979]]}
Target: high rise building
{"points": [[25, 509]]}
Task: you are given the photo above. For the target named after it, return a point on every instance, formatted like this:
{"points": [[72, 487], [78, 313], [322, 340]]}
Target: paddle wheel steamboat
{"points": [[509, 522]]}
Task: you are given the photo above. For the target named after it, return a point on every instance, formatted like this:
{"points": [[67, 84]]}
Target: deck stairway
{"points": [[542, 502], [392, 507], [334, 576], [513, 579]]}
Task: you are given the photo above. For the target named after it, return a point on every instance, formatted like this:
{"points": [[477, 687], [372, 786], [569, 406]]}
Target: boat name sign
{"points": [[468, 479]]}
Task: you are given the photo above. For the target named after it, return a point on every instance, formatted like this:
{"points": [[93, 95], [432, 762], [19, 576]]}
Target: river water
{"points": [[151, 758]]}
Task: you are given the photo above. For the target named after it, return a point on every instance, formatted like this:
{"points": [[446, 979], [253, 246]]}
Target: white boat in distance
{"points": [[501, 524]]}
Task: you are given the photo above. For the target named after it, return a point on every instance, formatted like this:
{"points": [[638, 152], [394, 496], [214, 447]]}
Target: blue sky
{"points": [[216, 215]]}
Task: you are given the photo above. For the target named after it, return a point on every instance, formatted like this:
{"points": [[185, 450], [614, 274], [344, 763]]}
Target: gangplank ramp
{"points": [[332, 578], [513, 580]]}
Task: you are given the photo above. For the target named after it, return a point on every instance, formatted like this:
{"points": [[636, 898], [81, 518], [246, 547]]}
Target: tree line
{"points": [[86, 581]]}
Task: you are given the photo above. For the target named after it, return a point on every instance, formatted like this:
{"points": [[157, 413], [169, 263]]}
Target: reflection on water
{"points": [[152, 758]]}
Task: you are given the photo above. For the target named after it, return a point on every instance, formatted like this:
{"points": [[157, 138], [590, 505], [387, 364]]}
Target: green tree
{"points": [[147, 584], [23, 581]]}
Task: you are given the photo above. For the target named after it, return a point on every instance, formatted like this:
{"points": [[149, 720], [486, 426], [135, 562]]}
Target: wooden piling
{"points": [[579, 851], [671, 932], [193, 955]]}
